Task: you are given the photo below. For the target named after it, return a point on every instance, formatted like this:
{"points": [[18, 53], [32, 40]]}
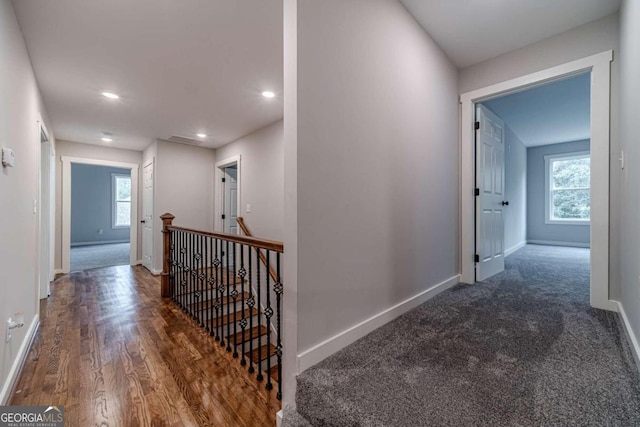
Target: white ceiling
{"points": [[180, 67], [549, 114], [472, 31]]}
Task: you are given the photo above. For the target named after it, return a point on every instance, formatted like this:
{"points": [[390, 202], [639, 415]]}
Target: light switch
{"points": [[8, 157], [248, 207], [35, 206]]}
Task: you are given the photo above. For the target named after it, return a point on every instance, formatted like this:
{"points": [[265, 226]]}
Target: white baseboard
{"points": [[58, 271], [156, 272], [631, 336], [18, 363], [138, 262], [321, 351], [554, 243], [99, 242], [514, 248], [279, 418]]}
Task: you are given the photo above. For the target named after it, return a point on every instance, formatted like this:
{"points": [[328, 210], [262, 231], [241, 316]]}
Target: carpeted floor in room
{"points": [[95, 256], [523, 348]]}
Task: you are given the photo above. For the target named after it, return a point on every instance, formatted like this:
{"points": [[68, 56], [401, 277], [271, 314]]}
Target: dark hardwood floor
{"points": [[116, 354]]}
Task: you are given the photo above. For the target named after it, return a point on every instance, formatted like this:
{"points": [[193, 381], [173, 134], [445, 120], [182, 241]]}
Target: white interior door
{"points": [[147, 216], [45, 273], [490, 202], [230, 200]]}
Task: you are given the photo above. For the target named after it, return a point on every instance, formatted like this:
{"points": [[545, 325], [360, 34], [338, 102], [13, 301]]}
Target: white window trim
{"points": [[547, 187], [114, 202]]}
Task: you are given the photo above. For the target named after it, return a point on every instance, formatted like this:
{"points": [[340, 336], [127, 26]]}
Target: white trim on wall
{"points": [[631, 336], [18, 363], [514, 248], [321, 351], [556, 243], [66, 205], [235, 160], [599, 66]]}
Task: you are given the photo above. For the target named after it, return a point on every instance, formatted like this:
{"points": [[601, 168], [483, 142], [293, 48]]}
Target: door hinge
{"points": [[477, 192], [477, 125], [223, 216], [224, 180], [476, 258]]}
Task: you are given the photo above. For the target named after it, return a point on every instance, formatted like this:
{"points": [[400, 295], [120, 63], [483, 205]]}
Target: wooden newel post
{"points": [[165, 289]]}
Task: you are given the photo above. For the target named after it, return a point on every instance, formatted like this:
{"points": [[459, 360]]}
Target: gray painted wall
{"points": [[91, 205], [515, 186], [536, 228], [184, 186], [20, 108], [588, 39], [630, 209], [262, 180], [377, 163]]}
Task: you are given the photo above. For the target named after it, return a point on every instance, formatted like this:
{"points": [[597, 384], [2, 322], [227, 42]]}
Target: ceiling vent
{"points": [[184, 140]]}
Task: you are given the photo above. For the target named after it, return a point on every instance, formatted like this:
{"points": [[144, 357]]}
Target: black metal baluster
{"points": [[199, 280], [221, 287], [268, 312], [251, 302], [235, 306], [207, 287], [183, 279], [243, 323], [172, 264], [259, 377], [228, 299], [190, 275], [217, 303], [278, 288]]}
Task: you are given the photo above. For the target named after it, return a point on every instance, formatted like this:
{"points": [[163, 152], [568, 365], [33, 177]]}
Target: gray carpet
{"points": [[523, 348], [95, 256]]}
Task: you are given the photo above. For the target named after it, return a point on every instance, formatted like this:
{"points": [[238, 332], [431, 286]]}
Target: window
{"points": [[568, 186], [121, 191]]}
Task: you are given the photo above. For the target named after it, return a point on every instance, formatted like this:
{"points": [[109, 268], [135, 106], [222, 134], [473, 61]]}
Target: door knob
{"points": [[144, 221], [505, 203]]}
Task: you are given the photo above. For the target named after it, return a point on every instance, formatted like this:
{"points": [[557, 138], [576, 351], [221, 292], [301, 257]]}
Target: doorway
{"points": [[228, 176], [599, 66], [46, 225], [125, 204]]}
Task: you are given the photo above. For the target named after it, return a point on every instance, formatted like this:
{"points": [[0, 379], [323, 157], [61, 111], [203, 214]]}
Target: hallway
{"points": [[115, 354], [522, 348]]}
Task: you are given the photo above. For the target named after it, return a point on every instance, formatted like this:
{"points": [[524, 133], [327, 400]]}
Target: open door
{"points": [[230, 183], [490, 203], [147, 216]]}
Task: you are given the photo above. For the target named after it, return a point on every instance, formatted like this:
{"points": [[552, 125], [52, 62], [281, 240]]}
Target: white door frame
{"points": [[235, 160], [46, 206], [66, 205], [599, 66]]}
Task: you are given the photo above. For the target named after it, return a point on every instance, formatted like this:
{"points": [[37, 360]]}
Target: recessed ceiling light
{"points": [[110, 95], [105, 139], [202, 135], [268, 94]]}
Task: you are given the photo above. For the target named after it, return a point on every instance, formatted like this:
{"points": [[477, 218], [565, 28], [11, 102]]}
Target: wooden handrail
{"points": [[263, 258], [271, 245]]}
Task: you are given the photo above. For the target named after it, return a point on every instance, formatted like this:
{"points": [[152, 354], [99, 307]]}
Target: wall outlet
{"points": [[101, 231], [8, 157], [248, 207]]}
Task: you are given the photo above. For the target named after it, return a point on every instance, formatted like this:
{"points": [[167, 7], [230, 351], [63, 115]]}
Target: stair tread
{"points": [[240, 298], [249, 334], [262, 353], [247, 313], [273, 373]]}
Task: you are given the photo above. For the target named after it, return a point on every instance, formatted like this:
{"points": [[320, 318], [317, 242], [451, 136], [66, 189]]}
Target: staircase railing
{"points": [[219, 281], [245, 229]]}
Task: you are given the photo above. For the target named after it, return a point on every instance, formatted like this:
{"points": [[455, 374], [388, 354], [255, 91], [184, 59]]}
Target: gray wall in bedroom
{"points": [[515, 186], [536, 228], [91, 205]]}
